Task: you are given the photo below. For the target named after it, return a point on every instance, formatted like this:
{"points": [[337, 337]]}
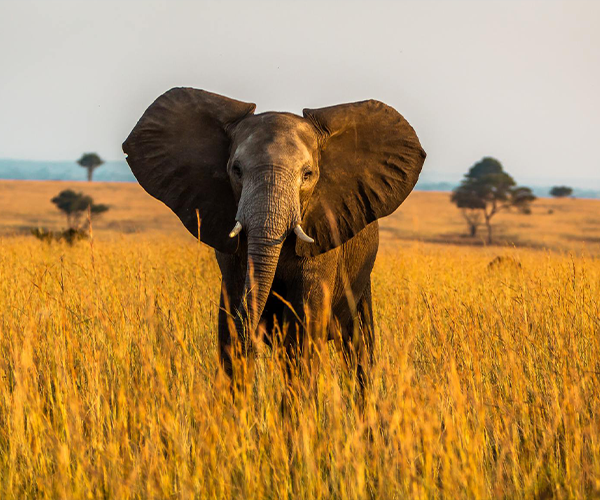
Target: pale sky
{"points": [[517, 80]]}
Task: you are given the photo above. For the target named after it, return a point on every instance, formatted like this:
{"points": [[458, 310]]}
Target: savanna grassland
{"points": [[486, 382]]}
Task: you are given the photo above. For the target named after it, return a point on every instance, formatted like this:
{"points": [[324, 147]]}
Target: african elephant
{"points": [[290, 205]]}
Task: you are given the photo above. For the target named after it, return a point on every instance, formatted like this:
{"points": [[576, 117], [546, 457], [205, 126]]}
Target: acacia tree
{"points": [[73, 205], [561, 191], [90, 161], [486, 190]]}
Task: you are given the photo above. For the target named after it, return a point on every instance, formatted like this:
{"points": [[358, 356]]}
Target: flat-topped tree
{"points": [[90, 161], [486, 190], [74, 205], [561, 191]]}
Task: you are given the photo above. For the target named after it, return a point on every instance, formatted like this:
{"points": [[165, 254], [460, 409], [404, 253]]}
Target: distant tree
{"points": [[90, 161], [521, 198], [74, 205], [561, 191], [486, 190]]}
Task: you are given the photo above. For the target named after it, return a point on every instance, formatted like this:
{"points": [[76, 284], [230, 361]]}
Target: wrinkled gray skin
{"points": [[334, 170], [276, 168]]}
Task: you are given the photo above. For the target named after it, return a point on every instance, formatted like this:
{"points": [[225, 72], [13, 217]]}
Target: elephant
{"points": [[290, 204]]}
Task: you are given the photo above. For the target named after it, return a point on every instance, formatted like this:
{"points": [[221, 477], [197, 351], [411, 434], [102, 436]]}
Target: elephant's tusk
{"points": [[236, 229], [302, 235]]}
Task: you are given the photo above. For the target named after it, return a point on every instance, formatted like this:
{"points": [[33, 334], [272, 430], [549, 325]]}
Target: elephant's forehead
{"points": [[273, 136]]}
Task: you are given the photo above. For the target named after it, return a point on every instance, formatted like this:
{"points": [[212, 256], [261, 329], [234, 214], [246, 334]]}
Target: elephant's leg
{"points": [[307, 317], [235, 354], [272, 320], [308, 321], [357, 344], [225, 335], [291, 350]]}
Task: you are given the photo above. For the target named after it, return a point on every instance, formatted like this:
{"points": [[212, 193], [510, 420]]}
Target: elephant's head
{"points": [[325, 175]]}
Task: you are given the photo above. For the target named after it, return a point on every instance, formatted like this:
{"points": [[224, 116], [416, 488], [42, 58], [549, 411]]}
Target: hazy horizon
{"points": [[517, 80]]}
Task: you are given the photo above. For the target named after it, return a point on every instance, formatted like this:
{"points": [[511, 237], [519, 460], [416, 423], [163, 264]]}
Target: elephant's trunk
{"points": [[262, 263], [268, 210]]}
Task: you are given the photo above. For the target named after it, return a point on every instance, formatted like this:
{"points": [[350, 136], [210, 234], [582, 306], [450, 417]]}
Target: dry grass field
{"points": [[486, 382], [429, 217]]}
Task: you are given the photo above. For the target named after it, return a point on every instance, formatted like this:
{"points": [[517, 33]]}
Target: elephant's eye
{"points": [[237, 170], [306, 176]]}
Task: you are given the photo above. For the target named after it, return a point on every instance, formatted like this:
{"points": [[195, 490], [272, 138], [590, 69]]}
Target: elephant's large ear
{"points": [[370, 161], [178, 152]]}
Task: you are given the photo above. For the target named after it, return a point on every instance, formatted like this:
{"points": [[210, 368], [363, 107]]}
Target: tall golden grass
{"points": [[486, 381]]}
